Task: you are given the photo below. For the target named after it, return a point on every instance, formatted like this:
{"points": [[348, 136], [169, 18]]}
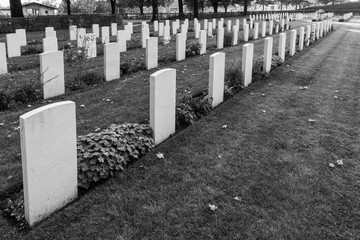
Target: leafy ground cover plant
{"points": [[193, 48]]}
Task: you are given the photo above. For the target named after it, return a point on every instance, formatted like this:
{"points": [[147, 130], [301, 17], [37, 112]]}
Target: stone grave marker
{"points": [[96, 30], [180, 46], [21, 36], [52, 73], [90, 45], [202, 41], [247, 63], [49, 159], [111, 61], [50, 44], [267, 54], [3, 60], [151, 52], [114, 29], [282, 46], [292, 42], [13, 45], [121, 40], [73, 32], [216, 78], [162, 104], [105, 35], [220, 38]]}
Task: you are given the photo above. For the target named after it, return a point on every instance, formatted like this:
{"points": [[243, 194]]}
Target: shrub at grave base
{"points": [[100, 155], [233, 79], [228, 38], [31, 50], [15, 209], [193, 48], [133, 43], [91, 78], [5, 100], [27, 93], [134, 66]]}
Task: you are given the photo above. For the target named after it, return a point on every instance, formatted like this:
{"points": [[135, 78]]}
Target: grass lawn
{"points": [[267, 173]]}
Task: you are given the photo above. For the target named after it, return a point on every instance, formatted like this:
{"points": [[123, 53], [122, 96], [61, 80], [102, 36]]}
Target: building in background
{"points": [[32, 9]]}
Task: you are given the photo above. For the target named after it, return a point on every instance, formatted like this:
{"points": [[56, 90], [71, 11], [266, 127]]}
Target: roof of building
{"points": [[40, 4]]}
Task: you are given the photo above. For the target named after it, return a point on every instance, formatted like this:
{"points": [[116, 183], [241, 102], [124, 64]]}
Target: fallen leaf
{"points": [[212, 207], [339, 162], [160, 155], [264, 111], [335, 97], [263, 94], [2, 124], [237, 198], [29, 106], [82, 105], [331, 165], [311, 120], [224, 126]]}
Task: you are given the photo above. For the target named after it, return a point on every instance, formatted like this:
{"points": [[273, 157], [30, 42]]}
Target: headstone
{"points": [[214, 22], [282, 45], [202, 41], [210, 29], [111, 61], [220, 38], [52, 73], [277, 28], [301, 39], [167, 32], [197, 30], [205, 24], [174, 27], [317, 31], [21, 36], [282, 24], [246, 32], [247, 63], [228, 26], [81, 37], [90, 45], [49, 161], [235, 35], [96, 30], [216, 78], [161, 29], [50, 33], [156, 26], [292, 42], [3, 60], [267, 54], [263, 29], [244, 22], [73, 32], [131, 27], [313, 32], [50, 44], [180, 46], [105, 35], [251, 23], [49, 29], [145, 34], [321, 29], [271, 26], [13, 45], [256, 31], [308, 31], [127, 32], [162, 104], [151, 52], [121, 40], [114, 29], [167, 23]]}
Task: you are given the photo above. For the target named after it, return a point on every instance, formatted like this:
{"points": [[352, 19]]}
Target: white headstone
{"points": [[216, 78], [256, 31], [167, 32], [111, 61], [235, 35], [247, 63], [251, 23], [81, 32], [3, 60], [49, 29], [131, 26], [151, 52], [246, 32], [271, 26], [50, 33], [96, 30], [114, 29], [145, 34], [308, 31], [263, 29], [73, 32], [52, 73], [121, 40], [174, 27], [197, 27], [49, 159], [161, 29], [220, 38], [282, 45], [50, 44], [202, 41], [162, 104], [90, 45], [210, 29], [128, 32], [301, 39], [180, 46], [21, 36], [292, 42], [156, 26], [205, 24], [13, 45], [228, 26], [268, 54], [105, 35]]}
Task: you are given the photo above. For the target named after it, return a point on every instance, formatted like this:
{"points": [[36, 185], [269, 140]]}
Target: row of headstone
{"points": [[347, 16], [43, 147], [14, 42]]}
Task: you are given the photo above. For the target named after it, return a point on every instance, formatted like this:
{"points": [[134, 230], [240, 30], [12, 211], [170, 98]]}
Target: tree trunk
{"points": [[263, 7], [181, 9], [215, 6], [141, 7], [196, 9], [68, 7], [16, 8], [113, 6], [333, 2], [155, 10], [225, 9], [202, 7], [245, 7], [281, 6]]}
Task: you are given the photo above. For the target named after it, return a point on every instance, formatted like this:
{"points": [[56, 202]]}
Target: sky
{"points": [[5, 3]]}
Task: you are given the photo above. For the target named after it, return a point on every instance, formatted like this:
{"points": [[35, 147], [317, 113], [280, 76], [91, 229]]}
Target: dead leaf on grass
{"points": [[160, 155], [212, 207], [331, 165], [237, 198], [311, 120], [340, 162], [224, 126]]}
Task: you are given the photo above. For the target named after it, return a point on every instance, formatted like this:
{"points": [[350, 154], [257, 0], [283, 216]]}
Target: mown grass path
{"points": [[271, 158]]}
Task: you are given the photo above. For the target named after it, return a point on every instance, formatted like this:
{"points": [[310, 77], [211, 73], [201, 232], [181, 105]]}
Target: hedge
{"points": [[9, 25]]}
